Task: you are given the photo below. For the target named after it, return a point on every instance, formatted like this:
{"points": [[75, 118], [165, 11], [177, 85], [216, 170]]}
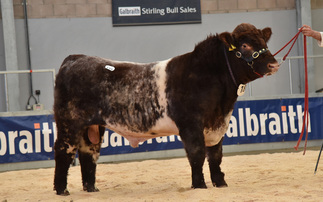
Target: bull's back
{"points": [[126, 95]]}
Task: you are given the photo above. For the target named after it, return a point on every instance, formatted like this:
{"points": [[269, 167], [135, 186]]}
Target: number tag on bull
{"points": [[241, 89], [109, 67]]}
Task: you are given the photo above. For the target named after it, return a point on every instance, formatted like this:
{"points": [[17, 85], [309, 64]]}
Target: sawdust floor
{"points": [[287, 176]]}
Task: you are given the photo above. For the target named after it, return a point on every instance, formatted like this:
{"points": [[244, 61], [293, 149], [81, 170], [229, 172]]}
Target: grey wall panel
{"points": [[55, 38], [317, 16], [2, 68]]}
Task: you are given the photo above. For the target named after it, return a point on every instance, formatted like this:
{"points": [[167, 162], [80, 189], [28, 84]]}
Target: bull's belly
{"points": [[166, 127], [163, 127]]}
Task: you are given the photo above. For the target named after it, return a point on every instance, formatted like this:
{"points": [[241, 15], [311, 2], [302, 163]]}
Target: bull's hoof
{"points": [[63, 193], [90, 189], [200, 186], [221, 184]]}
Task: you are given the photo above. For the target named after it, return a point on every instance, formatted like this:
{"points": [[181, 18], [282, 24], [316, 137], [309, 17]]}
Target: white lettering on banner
{"points": [[129, 11], [241, 122], [274, 125], [115, 140], [300, 114], [285, 128], [161, 139], [46, 132], [12, 135], [172, 10], [187, 10], [37, 141], [138, 11], [251, 119], [277, 123], [152, 11], [26, 145], [3, 144], [263, 118], [28, 142], [232, 129], [291, 115]]}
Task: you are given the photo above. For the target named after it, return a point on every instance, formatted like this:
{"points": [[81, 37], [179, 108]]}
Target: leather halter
{"points": [[249, 59], [254, 55], [241, 88], [229, 67]]}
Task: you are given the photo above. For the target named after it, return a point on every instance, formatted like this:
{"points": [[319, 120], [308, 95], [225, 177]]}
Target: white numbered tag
{"points": [[241, 89], [111, 68]]}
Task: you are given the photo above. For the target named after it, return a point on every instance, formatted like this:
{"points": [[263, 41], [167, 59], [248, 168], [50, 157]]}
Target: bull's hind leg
{"points": [[89, 152], [193, 141], [65, 152], [214, 155]]}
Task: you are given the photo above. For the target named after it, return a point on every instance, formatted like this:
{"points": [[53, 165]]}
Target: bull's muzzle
{"points": [[273, 67]]}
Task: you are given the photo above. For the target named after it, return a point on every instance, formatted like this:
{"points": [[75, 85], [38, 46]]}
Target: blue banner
{"points": [[277, 120], [27, 138], [31, 138]]}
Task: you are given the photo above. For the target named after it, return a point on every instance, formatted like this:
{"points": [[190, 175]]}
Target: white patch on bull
{"points": [[116, 62], [213, 137], [90, 149], [70, 149], [164, 125], [160, 69]]}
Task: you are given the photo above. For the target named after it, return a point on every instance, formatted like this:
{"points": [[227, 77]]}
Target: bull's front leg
{"points": [[214, 156], [193, 140]]}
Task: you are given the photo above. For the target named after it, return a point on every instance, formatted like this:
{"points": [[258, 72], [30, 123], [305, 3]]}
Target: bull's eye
{"points": [[245, 46]]}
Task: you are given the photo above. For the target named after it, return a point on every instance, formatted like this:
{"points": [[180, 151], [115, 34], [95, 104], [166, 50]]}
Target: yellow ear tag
{"points": [[232, 48]]}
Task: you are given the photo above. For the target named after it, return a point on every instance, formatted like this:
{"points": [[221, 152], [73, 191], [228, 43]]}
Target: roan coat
{"points": [[191, 95]]}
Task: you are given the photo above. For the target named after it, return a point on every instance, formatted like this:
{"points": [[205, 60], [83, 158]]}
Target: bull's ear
{"points": [[266, 32], [227, 38]]}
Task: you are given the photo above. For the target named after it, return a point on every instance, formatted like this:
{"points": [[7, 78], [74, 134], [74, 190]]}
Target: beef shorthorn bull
{"points": [[190, 95]]}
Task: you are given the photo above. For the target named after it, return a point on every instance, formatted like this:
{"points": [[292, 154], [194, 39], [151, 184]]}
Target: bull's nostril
{"points": [[272, 66]]}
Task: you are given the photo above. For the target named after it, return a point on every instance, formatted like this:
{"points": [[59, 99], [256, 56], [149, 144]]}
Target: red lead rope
{"points": [[306, 113], [294, 38]]}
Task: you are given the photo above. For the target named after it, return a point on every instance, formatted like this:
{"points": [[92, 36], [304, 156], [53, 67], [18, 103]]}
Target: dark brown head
{"points": [[249, 45]]}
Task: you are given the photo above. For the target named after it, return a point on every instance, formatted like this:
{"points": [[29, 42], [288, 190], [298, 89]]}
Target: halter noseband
{"points": [[254, 55], [249, 59]]}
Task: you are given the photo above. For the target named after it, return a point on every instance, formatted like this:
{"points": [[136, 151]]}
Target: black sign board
{"points": [[148, 12]]}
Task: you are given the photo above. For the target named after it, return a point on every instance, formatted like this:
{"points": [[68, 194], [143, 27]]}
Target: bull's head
{"points": [[249, 45]]}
